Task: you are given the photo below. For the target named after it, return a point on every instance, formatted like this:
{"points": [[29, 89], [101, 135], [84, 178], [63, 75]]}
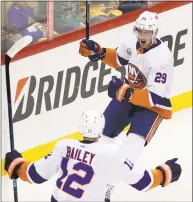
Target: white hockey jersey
{"points": [[150, 73], [84, 170]]}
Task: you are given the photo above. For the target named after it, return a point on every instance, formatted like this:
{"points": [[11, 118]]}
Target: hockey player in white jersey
{"points": [[86, 167], [143, 98]]}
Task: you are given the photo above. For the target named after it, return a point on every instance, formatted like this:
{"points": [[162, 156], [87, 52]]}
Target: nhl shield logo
{"points": [[135, 77]]}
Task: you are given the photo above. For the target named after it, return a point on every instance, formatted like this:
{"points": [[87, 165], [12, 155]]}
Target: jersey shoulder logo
{"points": [[135, 77]]}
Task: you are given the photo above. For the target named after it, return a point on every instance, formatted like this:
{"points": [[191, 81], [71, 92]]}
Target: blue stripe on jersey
{"points": [[122, 61], [143, 182], [165, 102], [156, 99], [35, 176]]}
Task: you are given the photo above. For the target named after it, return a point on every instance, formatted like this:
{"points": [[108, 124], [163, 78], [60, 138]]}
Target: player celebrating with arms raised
{"points": [[143, 99], [86, 167]]}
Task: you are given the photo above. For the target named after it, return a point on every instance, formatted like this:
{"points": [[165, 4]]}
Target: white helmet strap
{"points": [[154, 36]]}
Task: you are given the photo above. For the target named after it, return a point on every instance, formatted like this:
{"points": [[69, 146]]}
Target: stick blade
{"points": [[19, 45]]}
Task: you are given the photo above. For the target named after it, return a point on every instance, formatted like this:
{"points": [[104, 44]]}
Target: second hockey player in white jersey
{"points": [[86, 167]]}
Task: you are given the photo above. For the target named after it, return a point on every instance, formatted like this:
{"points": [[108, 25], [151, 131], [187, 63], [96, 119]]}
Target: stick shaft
{"points": [[87, 19], [7, 74]]}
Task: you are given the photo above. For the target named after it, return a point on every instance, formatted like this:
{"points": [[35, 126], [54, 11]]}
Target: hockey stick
{"points": [[114, 72], [87, 19], [19, 45]]}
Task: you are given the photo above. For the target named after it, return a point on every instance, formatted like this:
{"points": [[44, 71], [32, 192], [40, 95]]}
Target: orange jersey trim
{"points": [[22, 172], [141, 98], [111, 58], [167, 114], [153, 128]]}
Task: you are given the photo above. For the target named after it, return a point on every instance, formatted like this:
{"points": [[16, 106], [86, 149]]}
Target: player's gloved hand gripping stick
{"points": [[90, 48]]}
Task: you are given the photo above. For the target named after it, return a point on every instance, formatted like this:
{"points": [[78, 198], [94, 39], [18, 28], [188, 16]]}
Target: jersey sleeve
{"points": [[159, 82], [136, 176], [42, 170], [123, 54], [117, 57]]}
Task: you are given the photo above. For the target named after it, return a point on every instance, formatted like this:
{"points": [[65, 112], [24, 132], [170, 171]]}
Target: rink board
{"points": [[51, 89]]}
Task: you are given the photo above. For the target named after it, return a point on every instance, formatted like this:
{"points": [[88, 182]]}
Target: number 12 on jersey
{"points": [[65, 184]]}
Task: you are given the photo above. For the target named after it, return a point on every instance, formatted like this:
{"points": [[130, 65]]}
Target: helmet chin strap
{"points": [[154, 36], [153, 40]]}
